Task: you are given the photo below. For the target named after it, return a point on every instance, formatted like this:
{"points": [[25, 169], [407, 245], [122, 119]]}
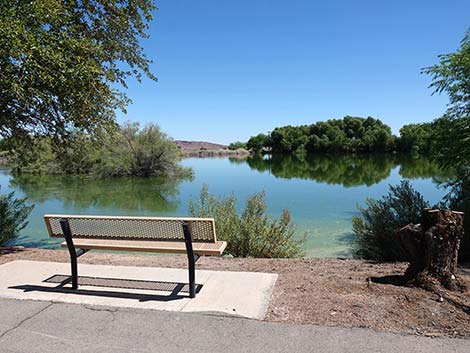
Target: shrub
{"points": [[130, 151], [236, 145], [251, 233], [13, 215], [458, 199], [142, 152], [375, 229]]}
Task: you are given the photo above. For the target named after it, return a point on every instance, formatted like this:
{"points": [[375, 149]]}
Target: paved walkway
{"points": [[244, 294], [38, 326]]}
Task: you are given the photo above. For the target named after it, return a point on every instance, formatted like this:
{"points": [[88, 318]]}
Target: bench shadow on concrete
{"points": [[175, 289]]}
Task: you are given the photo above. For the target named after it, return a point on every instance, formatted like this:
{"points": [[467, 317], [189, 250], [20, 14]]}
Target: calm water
{"points": [[322, 193]]}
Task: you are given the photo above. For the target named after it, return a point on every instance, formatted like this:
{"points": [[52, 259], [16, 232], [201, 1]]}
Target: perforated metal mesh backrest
{"points": [[132, 228]]}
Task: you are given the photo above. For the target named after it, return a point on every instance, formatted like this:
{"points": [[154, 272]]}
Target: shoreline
{"points": [[215, 153]]}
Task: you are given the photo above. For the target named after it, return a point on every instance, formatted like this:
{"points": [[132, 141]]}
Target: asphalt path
{"points": [[35, 326]]}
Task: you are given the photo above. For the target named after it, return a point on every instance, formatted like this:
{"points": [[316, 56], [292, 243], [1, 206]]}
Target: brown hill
{"points": [[197, 145]]}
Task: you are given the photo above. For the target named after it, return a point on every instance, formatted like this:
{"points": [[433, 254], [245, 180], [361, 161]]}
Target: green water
{"points": [[322, 192]]}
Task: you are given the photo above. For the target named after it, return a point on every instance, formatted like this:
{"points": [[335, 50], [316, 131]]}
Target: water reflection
{"points": [[128, 194], [345, 170]]}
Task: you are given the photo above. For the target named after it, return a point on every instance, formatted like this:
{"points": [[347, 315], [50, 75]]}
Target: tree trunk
{"points": [[432, 249]]}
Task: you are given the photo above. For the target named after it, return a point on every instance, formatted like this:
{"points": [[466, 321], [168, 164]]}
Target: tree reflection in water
{"points": [[128, 194], [345, 170]]}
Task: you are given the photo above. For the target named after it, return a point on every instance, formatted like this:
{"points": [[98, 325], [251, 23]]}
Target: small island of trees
{"points": [[347, 135]]}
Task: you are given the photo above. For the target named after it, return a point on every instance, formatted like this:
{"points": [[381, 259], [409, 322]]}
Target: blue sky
{"points": [[231, 69]]}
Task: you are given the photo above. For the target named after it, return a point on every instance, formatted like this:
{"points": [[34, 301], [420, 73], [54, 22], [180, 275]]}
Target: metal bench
{"points": [[193, 236]]}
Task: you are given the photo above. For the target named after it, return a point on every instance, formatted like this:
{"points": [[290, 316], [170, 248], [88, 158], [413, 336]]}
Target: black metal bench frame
{"points": [[76, 253]]}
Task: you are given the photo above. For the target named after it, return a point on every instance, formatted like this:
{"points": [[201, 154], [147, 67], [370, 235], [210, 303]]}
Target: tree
{"points": [[140, 152], [415, 138], [13, 216], [432, 249], [256, 143], [63, 63], [451, 133], [452, 76], [350, 134], [236, 145]]}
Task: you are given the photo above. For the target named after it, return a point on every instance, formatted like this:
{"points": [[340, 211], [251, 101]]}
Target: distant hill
{"points": [[197, 145], [208, 149]]}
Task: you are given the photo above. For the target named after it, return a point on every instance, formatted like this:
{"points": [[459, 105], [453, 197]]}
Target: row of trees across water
{"points": [[347, 135]]}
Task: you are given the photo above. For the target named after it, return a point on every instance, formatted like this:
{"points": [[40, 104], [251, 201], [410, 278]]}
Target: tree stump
{"points": [[432, 249]]}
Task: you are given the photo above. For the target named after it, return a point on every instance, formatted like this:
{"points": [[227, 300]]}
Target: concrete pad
{"points": [[245, 294], [241, 286]]}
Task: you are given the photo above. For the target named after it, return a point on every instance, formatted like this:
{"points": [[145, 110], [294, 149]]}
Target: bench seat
{"points": [[214, 249]]}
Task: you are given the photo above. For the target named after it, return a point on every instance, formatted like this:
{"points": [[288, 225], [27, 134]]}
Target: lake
{"points": [[322, 192]]}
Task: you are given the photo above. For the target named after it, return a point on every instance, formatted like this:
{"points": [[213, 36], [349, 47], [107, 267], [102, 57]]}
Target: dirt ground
{"points": [[319, 291]]}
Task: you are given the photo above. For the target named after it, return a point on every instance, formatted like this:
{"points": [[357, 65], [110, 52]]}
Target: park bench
{"points": [[193, 236]]}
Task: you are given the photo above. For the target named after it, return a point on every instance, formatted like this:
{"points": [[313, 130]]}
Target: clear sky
{"points": [[231, 69]]}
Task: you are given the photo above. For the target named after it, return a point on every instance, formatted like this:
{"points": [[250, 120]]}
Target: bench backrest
{"points": [[132, 228]]}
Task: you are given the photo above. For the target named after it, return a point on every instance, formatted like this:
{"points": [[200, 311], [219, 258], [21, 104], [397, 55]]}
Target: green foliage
{"points": [[3, 145], [140, 152], [350, 134], [451, 141], [63, 62], [415, 138], [34, 155], [458, 199], [13, 215], [256, 143], [451, 76], [451, 133], [131, 151], [251, 233], [236, 145], [376, 228]]}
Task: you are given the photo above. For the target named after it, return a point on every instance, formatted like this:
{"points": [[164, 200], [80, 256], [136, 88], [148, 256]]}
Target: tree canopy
{"points": [[64, 63], [452, 132], [452, 76], [415, 138], [350, 134]]}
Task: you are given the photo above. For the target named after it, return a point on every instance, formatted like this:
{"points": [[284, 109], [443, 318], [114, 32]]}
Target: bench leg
{"points": [[192, 258], [192, 277], [64, 223]]}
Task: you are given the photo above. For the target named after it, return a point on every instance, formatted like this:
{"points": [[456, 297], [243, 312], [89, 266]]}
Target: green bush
{"points": [[130, 151], [13, 215], [376, 228], [458, 199], [236, 145], [142, 152], [251, 233]]}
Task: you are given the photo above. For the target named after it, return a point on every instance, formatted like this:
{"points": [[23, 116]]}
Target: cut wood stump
{"points": [[432, 248]]}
